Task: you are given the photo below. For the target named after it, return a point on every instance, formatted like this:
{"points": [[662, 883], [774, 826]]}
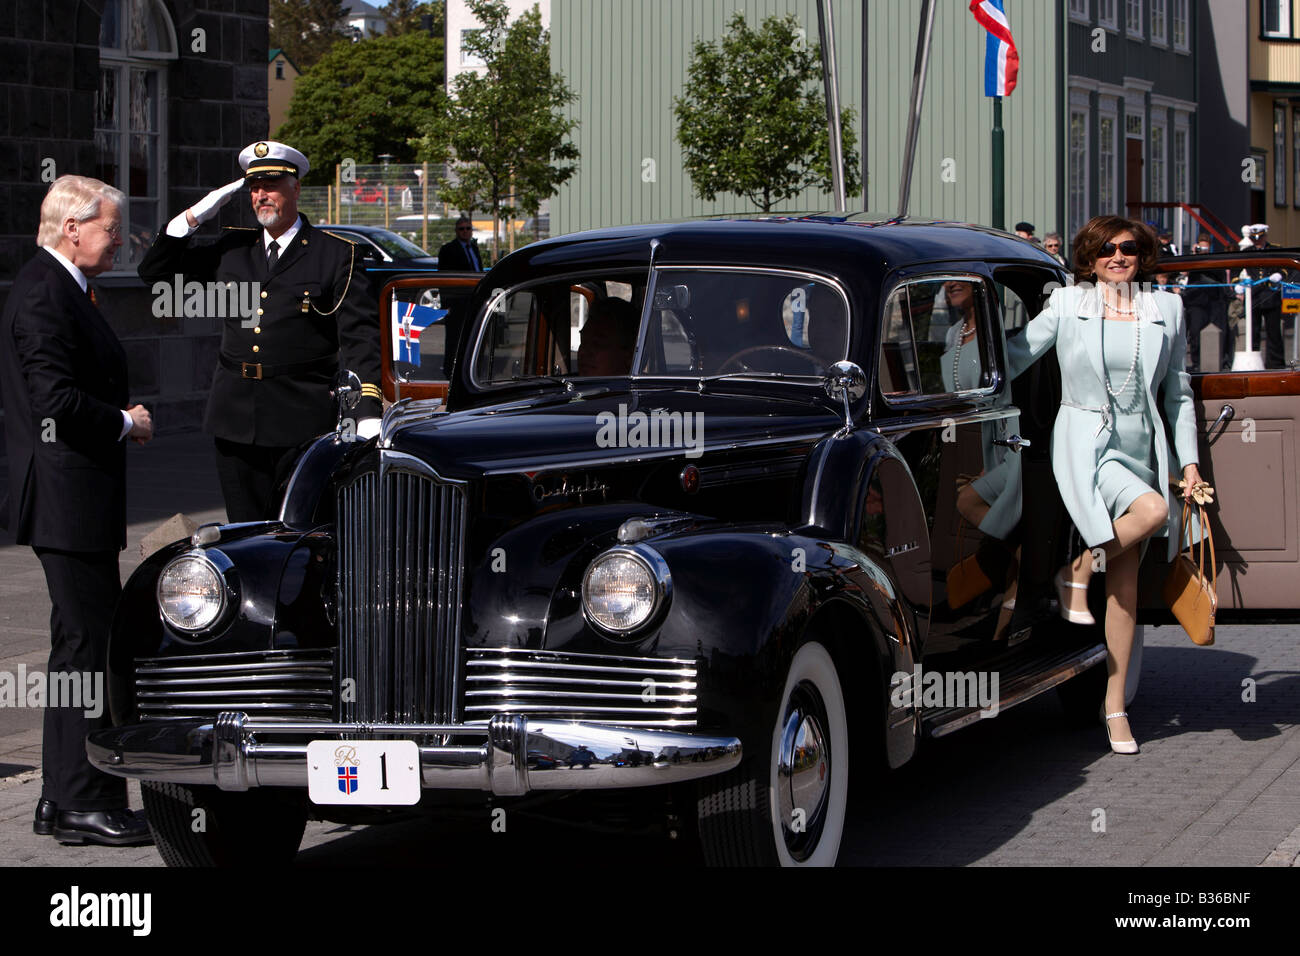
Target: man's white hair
{"points": [[72, 197]]}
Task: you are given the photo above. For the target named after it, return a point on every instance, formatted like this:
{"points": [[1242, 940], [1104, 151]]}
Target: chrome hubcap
{"points": [[803, 772]]}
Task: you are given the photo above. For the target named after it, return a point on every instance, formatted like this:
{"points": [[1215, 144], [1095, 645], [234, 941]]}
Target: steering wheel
{"points": [[797, 353]]}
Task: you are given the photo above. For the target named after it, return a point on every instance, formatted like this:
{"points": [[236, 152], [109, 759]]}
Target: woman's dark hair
{"points": [[1100, 230]]}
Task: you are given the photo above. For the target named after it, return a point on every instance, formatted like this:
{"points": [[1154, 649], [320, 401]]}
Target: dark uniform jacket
{"points": [[63, 379], [453, 258], [313, 307]]}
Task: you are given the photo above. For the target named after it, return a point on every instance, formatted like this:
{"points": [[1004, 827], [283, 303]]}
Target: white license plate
{"points": [[363, 772]]}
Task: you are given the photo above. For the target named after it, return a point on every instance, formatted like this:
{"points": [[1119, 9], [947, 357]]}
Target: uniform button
{"points": [[256, 349], [257, 330], [263, 293], [259, 311]]}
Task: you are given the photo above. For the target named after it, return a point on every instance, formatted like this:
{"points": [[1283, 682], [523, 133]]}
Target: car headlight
{"points": [[626, 588], [192, 591]]}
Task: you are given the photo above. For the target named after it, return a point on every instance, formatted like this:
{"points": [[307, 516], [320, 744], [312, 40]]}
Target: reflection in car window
{"points": [[934, 338], [716, 322]]}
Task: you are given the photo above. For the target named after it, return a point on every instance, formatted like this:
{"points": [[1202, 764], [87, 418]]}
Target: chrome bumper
{"points": [[565, 755]]}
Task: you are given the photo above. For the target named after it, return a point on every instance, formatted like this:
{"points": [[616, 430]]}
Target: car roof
{"points": [[818, 243]]}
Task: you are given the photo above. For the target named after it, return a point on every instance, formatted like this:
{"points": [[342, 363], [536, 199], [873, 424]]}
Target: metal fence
{"points": [[403, 197]]}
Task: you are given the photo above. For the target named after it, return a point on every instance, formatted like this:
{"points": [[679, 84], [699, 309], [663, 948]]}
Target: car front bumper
{"points": [[227, 752]]}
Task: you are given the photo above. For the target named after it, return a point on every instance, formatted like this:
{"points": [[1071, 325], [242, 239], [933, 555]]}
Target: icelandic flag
{"points": [[1001, 61], [409, 320], [348, 780]]}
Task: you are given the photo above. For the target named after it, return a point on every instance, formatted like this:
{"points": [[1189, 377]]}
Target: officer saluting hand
{"points": [[314, 313]]}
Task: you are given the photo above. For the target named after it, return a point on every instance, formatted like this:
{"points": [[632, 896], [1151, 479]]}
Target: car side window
{"points": [[935, 338]]}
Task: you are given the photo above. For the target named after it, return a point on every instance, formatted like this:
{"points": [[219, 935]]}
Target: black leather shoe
{"points": [[104, 827], [43, 822]]}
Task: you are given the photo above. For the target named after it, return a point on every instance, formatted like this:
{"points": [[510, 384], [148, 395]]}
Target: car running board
{"points": [[1016, 688]]}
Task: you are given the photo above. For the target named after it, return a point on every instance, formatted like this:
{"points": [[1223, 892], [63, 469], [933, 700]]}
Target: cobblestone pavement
{"points": [[1217, 782]]}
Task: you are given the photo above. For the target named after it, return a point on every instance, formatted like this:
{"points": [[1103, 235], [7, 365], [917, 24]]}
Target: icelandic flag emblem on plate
{"points": [[409, 321], [348, 779]]}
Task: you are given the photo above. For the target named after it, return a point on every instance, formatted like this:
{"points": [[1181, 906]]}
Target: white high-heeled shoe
{"points": [[1118, 746], [1074, 617]]}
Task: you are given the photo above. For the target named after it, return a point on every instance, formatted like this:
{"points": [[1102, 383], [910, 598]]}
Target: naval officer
{"points": [[314, 314]]}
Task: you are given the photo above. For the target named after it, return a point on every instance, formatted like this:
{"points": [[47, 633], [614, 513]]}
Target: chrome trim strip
{"points": [[227, 752]]}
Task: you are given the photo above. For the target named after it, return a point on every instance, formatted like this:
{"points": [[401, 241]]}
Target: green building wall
{"points": [[627, 60]]}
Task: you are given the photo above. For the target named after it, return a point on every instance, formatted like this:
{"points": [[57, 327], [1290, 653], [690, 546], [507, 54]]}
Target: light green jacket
{"points": [[1072, 322]]}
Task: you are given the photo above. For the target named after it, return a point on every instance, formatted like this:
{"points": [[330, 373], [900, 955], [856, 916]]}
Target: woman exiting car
{"points": [[1118, 344]]}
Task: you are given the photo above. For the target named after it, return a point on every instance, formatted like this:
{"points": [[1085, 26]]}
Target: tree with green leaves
{"points": [[752, 118], [365, 99], [306, 29], [503, 133], [405, 16]]}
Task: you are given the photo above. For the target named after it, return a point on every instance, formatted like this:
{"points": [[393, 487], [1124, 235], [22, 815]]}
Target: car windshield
{"points": [[395, 245], [701, 322]]}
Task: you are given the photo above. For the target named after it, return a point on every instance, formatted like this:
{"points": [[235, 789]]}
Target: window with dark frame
{"points": [[1279, 155], [1275, 19]]}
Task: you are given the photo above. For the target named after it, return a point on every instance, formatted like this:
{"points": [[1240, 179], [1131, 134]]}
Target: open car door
{"points": [[1247, 425], [420, 319]]}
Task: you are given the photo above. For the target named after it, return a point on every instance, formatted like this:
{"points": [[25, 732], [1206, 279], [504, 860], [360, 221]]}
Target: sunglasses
{"points": [[1129, 247]]}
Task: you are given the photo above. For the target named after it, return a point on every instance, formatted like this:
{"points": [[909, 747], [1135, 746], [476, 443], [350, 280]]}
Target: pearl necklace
{"points": [[956, 358], [1137, 347]]}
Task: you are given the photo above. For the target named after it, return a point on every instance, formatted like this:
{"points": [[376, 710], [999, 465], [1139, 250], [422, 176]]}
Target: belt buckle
{"points": [[245, 366]]}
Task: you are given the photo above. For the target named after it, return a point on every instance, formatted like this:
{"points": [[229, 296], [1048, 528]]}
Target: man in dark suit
{"points": [[63, 379], [1205, 302], [310, 312], [459, 255]]}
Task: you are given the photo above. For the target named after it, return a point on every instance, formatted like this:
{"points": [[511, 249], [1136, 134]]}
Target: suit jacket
{"points": [[314, 305], [64, 384], [1072, 321], [452, 257]]}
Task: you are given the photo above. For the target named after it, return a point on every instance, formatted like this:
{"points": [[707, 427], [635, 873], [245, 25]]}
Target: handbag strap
{"points": [[1200, 554]]}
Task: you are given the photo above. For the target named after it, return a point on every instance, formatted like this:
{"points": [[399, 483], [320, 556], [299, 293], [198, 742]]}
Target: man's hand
{"points": [[142, 424], [207, 207]]}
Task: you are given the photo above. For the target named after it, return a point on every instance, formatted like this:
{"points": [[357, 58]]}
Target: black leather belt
{"points": [[256, 370]]}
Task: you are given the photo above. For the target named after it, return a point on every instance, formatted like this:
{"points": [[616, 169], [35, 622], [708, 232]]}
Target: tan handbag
{"points": [[1192, 597], [966, 579]]}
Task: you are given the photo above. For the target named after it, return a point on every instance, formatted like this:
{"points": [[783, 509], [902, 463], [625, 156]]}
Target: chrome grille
{"points": [[400, 534], [288, 684], [602, 688]]}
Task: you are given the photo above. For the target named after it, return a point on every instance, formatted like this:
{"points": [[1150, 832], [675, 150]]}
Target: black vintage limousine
{"points": [[694, 516]]}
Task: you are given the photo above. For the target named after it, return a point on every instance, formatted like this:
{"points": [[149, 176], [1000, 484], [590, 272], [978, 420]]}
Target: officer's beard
{"points": [[267, 216]]}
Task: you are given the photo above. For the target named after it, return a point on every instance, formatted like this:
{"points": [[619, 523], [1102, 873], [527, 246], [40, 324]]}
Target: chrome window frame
{"points": [[982, 329]]}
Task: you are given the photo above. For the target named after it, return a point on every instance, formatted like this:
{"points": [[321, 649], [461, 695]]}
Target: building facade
{"points": [[281, 75], [1274, 42]]}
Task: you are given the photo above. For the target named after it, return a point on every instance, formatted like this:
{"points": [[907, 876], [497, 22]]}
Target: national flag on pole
{"points": [[409, 321], [1001, 61]]}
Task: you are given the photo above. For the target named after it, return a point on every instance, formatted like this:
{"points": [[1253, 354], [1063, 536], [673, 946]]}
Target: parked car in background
{"points": [[687, 521], [386, 254]]}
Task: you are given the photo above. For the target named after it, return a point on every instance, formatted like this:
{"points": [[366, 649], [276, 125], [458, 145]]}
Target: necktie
{"points": [[473, 259], [272, 255]]}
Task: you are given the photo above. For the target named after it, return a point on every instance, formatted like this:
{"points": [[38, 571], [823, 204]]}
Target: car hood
{"points": [[614, 426]]}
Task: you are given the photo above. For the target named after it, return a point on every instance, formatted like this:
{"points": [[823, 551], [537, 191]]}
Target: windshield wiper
{"points": [[554, 379]]}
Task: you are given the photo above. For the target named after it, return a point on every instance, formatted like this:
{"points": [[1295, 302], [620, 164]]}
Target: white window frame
{"points": [[1133, 24], [468, 59], [1107, 175], [1160, 23], [122, 61], [1183, 175], [1179, 16], [1283, 32], [1079, 12], [1158, 164], [1279, 155], [1107, 15], [1078, 162]]}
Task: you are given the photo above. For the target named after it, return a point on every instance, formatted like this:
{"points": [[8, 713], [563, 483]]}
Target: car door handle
{"points": [[1226, 415], [1015, 442]]}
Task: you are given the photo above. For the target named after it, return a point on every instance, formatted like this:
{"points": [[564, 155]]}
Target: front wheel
{"points": [[204, 826], [786, 806]]}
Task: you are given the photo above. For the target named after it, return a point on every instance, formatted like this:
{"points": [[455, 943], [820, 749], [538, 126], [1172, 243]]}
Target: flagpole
{"points": [[999, 176]]}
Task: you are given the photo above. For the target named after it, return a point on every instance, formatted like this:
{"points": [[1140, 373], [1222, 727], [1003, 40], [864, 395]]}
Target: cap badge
{"points": [[260, 150]]}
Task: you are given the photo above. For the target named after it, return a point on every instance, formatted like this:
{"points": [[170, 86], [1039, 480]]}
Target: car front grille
{"points": [[600, 688], [401, 533], [283, 684]]}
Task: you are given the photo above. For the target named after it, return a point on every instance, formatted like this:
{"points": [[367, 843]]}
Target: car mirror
{"points": [[673, 297], [847, 382]]}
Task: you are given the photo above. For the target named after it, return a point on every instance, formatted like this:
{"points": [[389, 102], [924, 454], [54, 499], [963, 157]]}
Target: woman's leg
{"points": [[1121, 622], [1145, 516]]}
